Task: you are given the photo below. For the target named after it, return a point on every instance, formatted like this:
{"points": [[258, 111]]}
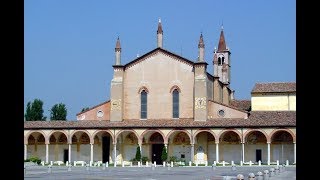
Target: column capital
{"points": [[191, 144], [294, 142], [268, 142], [216, 142]]}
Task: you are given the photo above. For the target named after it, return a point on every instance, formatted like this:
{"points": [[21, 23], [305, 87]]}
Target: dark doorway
{"points": [[65, 155], [156, 153], [105, 148], [258, 155]]}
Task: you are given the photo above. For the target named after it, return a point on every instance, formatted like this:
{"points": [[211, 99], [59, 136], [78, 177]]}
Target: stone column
{"points": [[115, 152], [166, 146], [25, 151], [47, 152], [294, 152], [192, 152], [268, 153], [140, 145], [242, 151], [217, 152], [69, 156], [91, 153]]}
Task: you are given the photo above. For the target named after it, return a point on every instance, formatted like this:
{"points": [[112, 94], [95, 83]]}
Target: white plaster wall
{"points": [[230, 152], [292, 102], [74, 156], [276, 102], [56, 151], [84, 154], [211, 153], [282, 153], [97, 152], [146, 151], [250, 152], [177, 150], [41, 151], [129, 152]]}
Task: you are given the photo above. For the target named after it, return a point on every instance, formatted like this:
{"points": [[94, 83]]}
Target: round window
{"points": [[100, 113], [221, 112]]}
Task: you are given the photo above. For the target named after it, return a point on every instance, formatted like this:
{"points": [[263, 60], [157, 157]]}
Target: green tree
{"points": [[164, 154], [58, 112], [138, 154], [34, 111]]}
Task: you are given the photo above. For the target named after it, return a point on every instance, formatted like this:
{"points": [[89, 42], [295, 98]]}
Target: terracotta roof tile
{"points": [[241, 104], [274, 87], [222, 43], [256, 119]]}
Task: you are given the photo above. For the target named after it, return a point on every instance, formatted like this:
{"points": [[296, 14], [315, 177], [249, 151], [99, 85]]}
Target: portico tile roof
{"points": [[256, 119], [274, 87]]}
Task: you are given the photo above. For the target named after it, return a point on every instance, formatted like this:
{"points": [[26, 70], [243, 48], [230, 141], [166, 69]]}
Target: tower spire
{"points": [[118, 46], [159, 35], [159, 31], [201, 43], [201, 49], [222, 43], [117, 50]]}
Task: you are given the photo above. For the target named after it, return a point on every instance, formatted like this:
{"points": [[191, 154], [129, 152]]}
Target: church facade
{"points": [[163, 100]]}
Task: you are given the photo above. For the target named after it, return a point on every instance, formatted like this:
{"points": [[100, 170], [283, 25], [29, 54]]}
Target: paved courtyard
{"points": [[149, 173]]}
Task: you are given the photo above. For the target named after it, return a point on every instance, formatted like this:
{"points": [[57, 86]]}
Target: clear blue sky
{"points": [[69, 45]]}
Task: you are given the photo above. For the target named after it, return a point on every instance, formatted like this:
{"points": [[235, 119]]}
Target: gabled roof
{"points": [[241, 104], [229, 106], [274, 87], [93, 107], [155, 51]]}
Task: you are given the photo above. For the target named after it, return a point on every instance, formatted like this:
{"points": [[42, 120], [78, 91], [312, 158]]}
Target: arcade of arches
{"points": [[196, 145]]}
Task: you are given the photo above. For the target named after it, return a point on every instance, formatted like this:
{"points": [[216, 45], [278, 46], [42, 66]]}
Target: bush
{"points": [[173, 158], [34, 159], [144, 159]]}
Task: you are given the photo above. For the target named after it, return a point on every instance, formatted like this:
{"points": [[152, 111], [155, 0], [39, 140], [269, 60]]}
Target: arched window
{"points": [[175, 103], [144, 104], [219, 61]]}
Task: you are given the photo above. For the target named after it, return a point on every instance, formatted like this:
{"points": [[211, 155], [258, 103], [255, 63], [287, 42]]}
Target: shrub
{"points": [[173, 158], [144, 159], [138, 154], [34, 159], [164, 155]]}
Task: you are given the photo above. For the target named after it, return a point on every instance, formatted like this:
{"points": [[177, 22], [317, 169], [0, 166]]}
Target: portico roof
{"points": [[255, 119]]}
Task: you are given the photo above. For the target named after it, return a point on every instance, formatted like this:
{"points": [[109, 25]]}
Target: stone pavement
{"points": [[148, 173]]}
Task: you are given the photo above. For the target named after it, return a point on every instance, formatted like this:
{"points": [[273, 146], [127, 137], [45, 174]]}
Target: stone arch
{"points": [[153, 131], [26, 137], [287, 130], [128, 130], [143, 88], [223, 132], [58, 131], [176, 131], [205, 130], [247, 133], [175, 87], [98, 131], [83, 131]]}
